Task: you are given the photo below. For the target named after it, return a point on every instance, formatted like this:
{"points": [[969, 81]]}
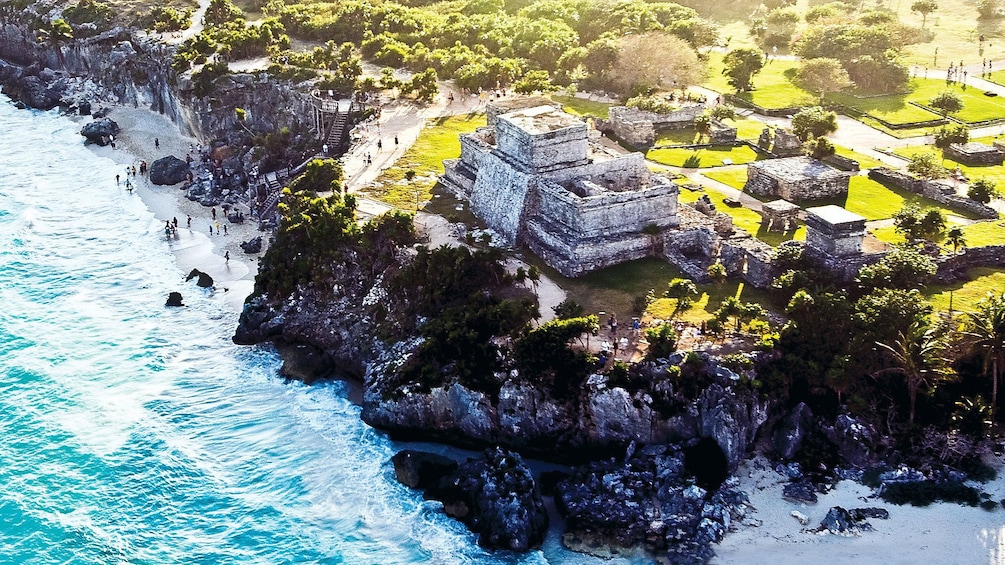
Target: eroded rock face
{"points": [[168, 170], [202, 279], [789, 436], [421, 470], [495, 495], [646, 501]]}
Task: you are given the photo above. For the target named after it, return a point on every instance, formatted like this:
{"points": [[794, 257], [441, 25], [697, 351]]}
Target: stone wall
{"points": [[498, 195], [954, 267], [974, 153], [939, 192], [638, 127]]}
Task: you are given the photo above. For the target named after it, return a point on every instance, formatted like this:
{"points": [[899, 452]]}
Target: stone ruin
{"points": [[975, 153], [779, 215], [535, 179], [640, 128], [780, 142], [796, 179]]}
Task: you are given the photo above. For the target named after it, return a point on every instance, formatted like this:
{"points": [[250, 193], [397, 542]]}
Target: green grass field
{"points": [[772, 88], [967, 294], [897, 108], [582, 107], [735, 177], [438, 141], [713, 156]]}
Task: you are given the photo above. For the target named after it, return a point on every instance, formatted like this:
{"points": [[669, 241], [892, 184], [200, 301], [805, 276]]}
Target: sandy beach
{"points": [[942, 533], [194, 248]]}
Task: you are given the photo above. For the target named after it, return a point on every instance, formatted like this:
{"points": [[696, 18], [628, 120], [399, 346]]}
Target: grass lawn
{"points": [[746, 128], [893, 108], [897, 108], [735, 177], [772, 88], [876, 201], [976, 106], [708, 301], [438, 141], [743, 218], [616, 289], [967, 294], [979, 234], [714, 156], [995, 173], [864, 161], [582, 107]]}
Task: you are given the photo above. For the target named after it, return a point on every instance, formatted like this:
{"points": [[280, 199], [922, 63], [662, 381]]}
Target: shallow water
{"points": [[134, 433]]}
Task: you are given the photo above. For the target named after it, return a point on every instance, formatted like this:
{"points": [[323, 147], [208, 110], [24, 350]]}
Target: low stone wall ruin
{"points": [[937, 191]]}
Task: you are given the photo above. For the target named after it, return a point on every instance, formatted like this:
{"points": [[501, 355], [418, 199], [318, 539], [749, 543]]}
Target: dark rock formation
{"points": [[253, 245], [100, 131], [204, 280], [84, 108], [856, 441], [792, 431], [168, 170], [801, 491], [495, 495], [647, 501], [304, 363], [259, 322], [33, 92], [421, 470], [849, 523], [174, 299]]}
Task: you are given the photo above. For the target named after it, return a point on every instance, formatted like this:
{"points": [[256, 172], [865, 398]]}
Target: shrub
{"points": [[662, 341], [945, 136], [923, 493], [983, 190]]}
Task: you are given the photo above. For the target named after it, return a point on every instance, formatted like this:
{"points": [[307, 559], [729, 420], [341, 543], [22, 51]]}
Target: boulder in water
{"points": [[100, 131], [168, 170], [204, 280], [174, 299]]}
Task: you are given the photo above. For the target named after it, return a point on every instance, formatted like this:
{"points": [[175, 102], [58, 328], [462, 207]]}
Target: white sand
{"points": [[194, 248], [939, 534]]}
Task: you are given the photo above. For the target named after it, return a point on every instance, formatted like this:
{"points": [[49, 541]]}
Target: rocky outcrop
{"points": [[421, 470], [100, 131], [849, 522], [202, 279], [494, 494], [789, 436], [304, 363], [252, 246], [168, 170], [646, 501], [174, 299]]}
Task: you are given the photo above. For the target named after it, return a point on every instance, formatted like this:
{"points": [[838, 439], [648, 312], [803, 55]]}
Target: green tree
{"points": [[717, 272], [926, 166], [924, 7], [568, 308], [947, 103], [703, 125], [902, 268], [983, 190], [813, 122], [917, 355], [955, 238], [662, 341], [684, 292], [946, 136], [822, 75], [984, 331], [819, 147], [424, 85], [534, 81], [741, 65], [321, 175]]}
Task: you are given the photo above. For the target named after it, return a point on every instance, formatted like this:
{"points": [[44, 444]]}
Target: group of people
{"points": [[609, 349]]}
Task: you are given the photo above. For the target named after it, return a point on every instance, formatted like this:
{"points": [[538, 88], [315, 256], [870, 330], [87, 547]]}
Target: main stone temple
{"points": [[533, 176]]}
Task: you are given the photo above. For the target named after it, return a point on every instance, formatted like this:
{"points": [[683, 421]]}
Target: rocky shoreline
{"points": [[635, 487]]}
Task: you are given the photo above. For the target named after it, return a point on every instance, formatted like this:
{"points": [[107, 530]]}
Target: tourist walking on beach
{"points": [[188, 222], [379, 145], [213, 212], [157, 142], [226, 256]]}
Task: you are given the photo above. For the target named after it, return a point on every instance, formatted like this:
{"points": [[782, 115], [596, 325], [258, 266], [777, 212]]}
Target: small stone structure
{"points": [[639, 128], [975, 153], [833, 231], [535, 179], [779, 215], [780, 142], [795, 179], [936, 190]]}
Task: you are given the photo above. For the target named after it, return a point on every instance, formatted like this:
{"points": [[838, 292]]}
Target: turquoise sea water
{"points": [[131, 433]]}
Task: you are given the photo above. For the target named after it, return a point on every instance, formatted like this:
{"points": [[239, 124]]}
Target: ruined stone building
{"points": [[533, 176]]}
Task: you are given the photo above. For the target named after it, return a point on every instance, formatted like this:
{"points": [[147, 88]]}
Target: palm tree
{"points": [[985, 330], [955, 238], [918, 356]]}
